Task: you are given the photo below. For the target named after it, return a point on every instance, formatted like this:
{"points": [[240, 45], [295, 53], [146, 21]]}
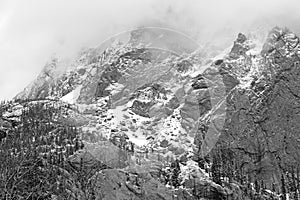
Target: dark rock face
{"points": [[219, 62], [101, 92], [115, 184], [141, 108], [230, 80], [196, 105], [164, 143], [110, 75], [183, 66], [2, 135], [145, 97], [142, 54], [240, 47], [108, 154], [173, 103], [262, 121], [199, 83], [151, 92], [208, 191]]}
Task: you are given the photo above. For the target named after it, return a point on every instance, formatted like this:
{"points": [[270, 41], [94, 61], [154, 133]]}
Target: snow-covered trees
{"points": [[33, 154]]}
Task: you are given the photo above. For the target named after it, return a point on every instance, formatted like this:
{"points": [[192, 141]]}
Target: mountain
{"points": [[170, 118]]}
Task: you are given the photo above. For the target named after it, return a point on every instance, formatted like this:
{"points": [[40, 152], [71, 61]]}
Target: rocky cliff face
{"points": [[160, 93], [262, 117]]}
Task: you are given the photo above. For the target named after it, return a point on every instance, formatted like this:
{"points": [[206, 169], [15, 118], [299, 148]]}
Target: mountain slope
{"points": [[158, 97]]}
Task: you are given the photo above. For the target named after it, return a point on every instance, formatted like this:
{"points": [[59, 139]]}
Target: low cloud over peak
{"points": [[31, 31]]}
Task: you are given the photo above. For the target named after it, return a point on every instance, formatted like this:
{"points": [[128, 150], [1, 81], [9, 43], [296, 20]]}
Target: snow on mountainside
{"points": [[158, 92], [152, 90]]}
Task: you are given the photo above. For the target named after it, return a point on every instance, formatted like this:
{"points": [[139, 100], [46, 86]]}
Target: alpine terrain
{"points": [[151, 114]]}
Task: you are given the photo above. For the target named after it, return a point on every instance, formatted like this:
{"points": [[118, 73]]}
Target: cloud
{"points": [[33, 30]]}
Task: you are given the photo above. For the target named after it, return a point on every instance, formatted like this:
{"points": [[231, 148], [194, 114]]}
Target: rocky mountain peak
{"points": [[282, 43], [240, 46], [241, 38], [155, 94]]}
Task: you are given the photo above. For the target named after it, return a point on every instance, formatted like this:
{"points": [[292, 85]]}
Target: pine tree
{"points": [[298, 181], [294, 187], [256, 186], [27, 149], [175, 173], [283, 188], [274, 188], [216, 169]]}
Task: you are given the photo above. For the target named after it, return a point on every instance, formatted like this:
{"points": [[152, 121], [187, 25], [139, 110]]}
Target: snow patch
{"points": [[72, 97], [256, 47], [191, 169], [115, 88], [119, 113]]}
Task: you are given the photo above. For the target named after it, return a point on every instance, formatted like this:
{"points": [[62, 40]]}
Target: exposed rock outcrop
{"points": [[136, 105]]}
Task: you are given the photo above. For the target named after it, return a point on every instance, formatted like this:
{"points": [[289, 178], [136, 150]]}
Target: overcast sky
{"points": [[32, 31]]}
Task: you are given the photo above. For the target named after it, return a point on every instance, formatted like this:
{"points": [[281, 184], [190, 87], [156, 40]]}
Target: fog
{"points": [[32, 31]]}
